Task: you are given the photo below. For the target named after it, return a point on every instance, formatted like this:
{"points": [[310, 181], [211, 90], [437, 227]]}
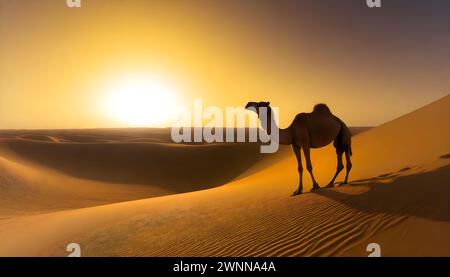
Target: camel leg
{"points": [[339, 168], [348, 166], [310, 168], [297, 152]]}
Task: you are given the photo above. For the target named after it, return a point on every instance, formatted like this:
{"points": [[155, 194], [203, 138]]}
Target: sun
{"points": [[142, 101]]}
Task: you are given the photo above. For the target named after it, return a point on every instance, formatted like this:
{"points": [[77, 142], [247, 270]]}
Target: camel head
{"points": [[254, 106]]}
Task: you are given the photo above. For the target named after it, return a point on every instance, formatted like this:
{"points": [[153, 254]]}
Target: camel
{"points": [[311, 130]]}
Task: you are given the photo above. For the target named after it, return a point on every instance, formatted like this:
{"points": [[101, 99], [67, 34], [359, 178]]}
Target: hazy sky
{"points": [[368, 65]]}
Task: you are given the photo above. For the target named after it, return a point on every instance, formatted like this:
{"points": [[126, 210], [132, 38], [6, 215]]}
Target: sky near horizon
{"points": [[60, 65]]}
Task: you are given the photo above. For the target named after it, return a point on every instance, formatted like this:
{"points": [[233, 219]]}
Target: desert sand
{"points": [[133, 193]]}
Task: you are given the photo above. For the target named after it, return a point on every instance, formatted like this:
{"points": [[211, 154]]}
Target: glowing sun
{"points": [[139, 101]]}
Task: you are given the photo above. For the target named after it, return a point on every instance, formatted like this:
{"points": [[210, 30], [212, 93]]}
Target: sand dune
{"points": [[133, 156], [398, 198], [25, 190], [48, 170]]}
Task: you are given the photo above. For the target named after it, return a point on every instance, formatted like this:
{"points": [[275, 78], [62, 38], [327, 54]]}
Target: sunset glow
{"points": [[141, 100], [58, 60]]}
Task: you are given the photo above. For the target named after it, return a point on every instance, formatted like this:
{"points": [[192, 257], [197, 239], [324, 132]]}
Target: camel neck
{"points": [[268, 121], [269, 124]]}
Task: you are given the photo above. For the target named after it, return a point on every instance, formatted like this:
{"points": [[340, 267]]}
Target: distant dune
{"points": [[173, 167], [77, 190], [40, 168]]}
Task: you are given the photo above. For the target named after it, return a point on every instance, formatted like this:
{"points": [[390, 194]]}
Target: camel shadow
{"points": [[424, 194]]}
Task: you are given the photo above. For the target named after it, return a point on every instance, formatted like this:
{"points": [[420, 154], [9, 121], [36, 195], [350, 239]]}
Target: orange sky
{"points": [[368, 65]]}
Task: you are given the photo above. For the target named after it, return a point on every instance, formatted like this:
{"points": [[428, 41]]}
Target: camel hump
{"points": [[321, 108]]}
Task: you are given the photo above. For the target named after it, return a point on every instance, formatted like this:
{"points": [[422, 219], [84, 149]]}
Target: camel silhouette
{"points": [[311, 130]]}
